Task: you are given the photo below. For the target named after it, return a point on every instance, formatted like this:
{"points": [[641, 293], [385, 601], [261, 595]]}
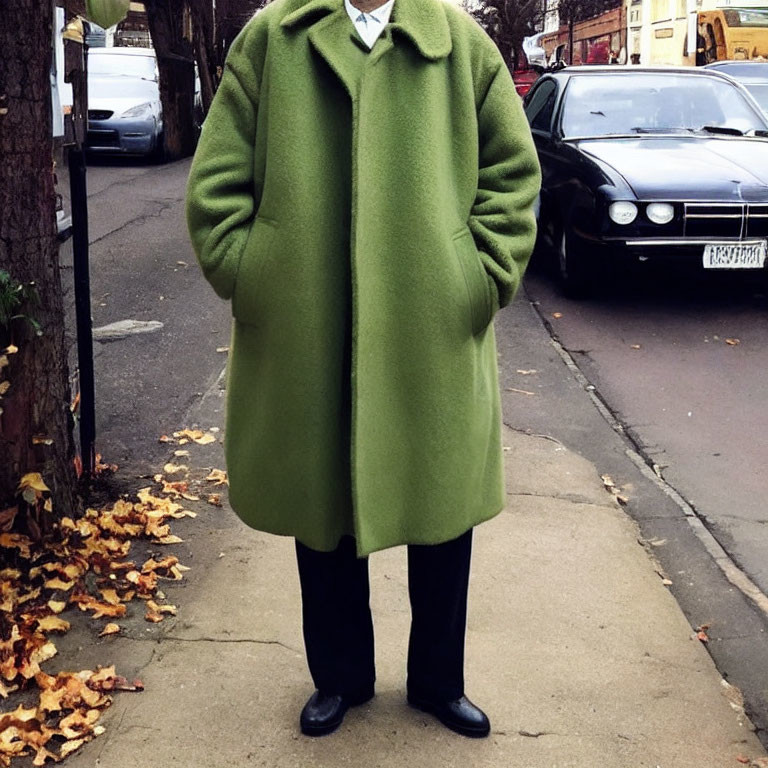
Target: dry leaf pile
{"points": [[191, 435], [614, 490], [84, 565]]}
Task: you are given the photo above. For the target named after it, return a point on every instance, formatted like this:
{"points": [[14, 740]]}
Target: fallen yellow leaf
{"points": [[68, 747], [109, 629], [53, 624], [57, 606], [57, 583], [173, 469], [110, 596], [217, 476], [33, 480], [153, 606]]}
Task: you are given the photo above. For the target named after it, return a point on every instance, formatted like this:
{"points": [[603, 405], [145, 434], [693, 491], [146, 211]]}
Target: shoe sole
{"points": [[324, 730], [462, 730]]}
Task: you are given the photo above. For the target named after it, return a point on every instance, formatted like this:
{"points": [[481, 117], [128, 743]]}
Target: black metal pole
{"points": [[79, 195]]}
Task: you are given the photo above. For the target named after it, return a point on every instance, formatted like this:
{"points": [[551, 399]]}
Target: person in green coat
{"points": [[363, 194]]}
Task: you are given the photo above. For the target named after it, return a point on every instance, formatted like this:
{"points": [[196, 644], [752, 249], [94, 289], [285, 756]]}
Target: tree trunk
{"points": [[35, 423], [205, 49], [171, 34], [231, 17]]}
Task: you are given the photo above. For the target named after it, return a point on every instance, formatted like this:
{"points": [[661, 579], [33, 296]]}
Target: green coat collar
{"points": [[423, 22]]}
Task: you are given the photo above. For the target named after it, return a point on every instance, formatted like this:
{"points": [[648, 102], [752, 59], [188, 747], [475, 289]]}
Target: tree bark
{"points": [[231, 17], [36, 422], [205, 49], [175, 58]]}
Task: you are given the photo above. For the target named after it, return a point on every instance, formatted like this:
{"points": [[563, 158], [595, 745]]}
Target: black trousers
{"points": [[338, 628]]}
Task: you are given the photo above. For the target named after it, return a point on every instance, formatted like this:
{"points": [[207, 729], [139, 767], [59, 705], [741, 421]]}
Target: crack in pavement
{"points": [[154, 213], [116, 730], [233, 640]]}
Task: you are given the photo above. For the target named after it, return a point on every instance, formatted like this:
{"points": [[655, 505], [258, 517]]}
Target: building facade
{"points": [[599, 40], [658, 31]]}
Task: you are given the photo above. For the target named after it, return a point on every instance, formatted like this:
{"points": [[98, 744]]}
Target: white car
{"points": [[125, 115]]}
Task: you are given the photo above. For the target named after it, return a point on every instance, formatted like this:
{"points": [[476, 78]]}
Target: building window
{"points": [[660, 10]]}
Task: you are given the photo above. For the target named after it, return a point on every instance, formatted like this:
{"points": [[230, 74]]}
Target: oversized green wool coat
{"points": [[367, 212]]}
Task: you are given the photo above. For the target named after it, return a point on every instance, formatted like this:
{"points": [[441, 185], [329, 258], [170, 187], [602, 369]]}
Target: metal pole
{"points": [[79, 195]]}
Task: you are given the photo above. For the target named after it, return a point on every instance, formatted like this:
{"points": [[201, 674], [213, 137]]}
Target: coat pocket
{"points": [[259, 249], [476, 280]]}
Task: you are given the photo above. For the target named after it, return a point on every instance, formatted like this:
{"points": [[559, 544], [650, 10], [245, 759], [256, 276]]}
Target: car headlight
{"points": [[660, 213], [140, 110], [623, 212]]}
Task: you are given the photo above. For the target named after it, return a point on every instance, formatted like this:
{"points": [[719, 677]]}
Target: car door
{"points": [[540, 110]]}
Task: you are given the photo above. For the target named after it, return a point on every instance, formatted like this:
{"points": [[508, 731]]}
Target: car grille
{"points": [[730, 220], [99, 114], [103, 139], [757, 222]]}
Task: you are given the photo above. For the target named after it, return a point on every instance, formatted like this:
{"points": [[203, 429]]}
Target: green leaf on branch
{"points": [[106, 13]]}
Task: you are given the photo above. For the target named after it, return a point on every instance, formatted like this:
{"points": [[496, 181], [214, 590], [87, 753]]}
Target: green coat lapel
{"points": [[334, 38]]}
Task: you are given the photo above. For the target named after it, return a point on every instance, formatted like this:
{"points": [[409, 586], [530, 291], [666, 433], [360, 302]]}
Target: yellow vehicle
{"points": [[732, 34]]}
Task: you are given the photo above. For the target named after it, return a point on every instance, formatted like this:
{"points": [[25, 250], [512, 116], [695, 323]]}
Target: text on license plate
{"points": [[735, 255]]}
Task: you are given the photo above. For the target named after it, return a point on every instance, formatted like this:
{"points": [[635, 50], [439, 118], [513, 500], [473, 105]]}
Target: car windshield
{"points": [[637, 103], [760, 92], [127, 88], [101, 63], [746, 17]]}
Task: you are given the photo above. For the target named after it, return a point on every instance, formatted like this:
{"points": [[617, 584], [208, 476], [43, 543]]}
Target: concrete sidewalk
{"points": [[575, 648]]}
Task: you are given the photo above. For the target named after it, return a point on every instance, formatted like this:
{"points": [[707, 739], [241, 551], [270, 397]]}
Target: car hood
{"points": [[119, 93], [686, 168]]}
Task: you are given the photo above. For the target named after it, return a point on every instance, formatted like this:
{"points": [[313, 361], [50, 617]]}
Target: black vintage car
{"points": [[642, 163]]}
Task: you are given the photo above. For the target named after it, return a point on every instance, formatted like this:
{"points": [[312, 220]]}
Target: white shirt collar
{"points": [[370, 25]]}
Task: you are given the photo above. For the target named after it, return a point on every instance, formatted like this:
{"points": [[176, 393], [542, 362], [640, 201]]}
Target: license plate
{"points": [[735, 255]]}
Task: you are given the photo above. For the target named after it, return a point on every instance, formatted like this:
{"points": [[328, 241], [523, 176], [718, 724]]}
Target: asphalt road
{"points": [[682, 364], [143, 269], [148, 384]]}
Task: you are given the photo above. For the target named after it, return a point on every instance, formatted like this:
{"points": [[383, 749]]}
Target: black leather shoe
{"points": [[324, 712], [460, 715]]}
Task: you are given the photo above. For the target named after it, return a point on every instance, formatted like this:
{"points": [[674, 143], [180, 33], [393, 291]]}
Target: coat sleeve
{"points": [[502, 221], [220, 191]]}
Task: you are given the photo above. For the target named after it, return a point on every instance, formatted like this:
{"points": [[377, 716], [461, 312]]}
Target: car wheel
{"points": [[576, 274]]}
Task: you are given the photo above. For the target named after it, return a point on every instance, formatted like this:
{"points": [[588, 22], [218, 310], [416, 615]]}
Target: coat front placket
{"points": [[334, 39]]}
